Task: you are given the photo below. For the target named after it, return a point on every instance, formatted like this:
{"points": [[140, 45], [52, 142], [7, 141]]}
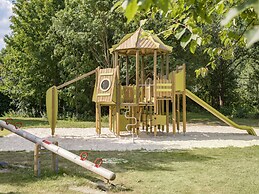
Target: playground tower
{"points": [[142, 100]]}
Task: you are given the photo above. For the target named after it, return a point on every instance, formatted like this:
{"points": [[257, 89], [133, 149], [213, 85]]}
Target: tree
{"points": [[27, 64], [81, 35], [185, 20]]}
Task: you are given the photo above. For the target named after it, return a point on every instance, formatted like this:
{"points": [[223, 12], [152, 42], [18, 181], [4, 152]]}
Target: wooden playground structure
{"points": [[141, 101], [145, 101]]}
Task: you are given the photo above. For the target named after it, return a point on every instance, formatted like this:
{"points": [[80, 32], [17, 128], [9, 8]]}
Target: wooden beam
{"points": [[110, 118], [167, 66], [142, 77], [137, 77], [184, 100], [118, 97], [167, 101], [127, 70], [155, 95], [167, 116], [98, 118], [37, 160], [162, 66], [76, 79], [178, 112], [173, 104]]}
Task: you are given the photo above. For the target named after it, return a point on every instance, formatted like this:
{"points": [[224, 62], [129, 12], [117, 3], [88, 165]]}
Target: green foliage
{"points": [[4, 104], [81, 35], [54, 42], [186, 20], [252, 35], [248, 85], [27, 64]]}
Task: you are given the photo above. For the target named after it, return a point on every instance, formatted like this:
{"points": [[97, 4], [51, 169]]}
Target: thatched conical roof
{"points": [[141, 40]]}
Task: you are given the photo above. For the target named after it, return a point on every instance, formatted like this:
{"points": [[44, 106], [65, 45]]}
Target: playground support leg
{"points": [[167, 116], [132, 115], [98, 118], [155, 115], [184, 112], [163, 112], [55, 160], [118, 97], [150, 118], [155, 92], [178, 112], [174, 114], [146, 118], [138, 121], [110, 118], [37, 149]]}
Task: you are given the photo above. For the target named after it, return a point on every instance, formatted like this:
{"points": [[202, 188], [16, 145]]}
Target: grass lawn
{"points": [[43, 123], [223, 170]]}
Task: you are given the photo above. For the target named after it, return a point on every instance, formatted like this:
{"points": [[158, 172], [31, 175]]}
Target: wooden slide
{"points": [[217, 114]]}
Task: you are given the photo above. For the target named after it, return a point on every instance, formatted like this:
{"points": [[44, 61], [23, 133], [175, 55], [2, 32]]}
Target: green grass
{"points": [[43, 123], [225, 170], [208, 119]]}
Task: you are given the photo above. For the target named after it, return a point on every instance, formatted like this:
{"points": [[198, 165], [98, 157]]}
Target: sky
{"points": [[5, 13]]}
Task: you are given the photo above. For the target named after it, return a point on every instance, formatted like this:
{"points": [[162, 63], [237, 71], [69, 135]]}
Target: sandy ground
{"points": [[197, 136]]}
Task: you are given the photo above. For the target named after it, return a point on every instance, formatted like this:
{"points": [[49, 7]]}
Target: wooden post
{"points": [[113, 60], [98, 118], [184, 112], [138, 120], [37, 160], [127, 70], [136, 111], [178, 112], [118, 97], [55, 160], [151, 118], [167, 66], [173, 104], [184, 100], [137, 77], [167, 116], [167, 101], [110, 118], [162, 72], [130, 114], [155, 96], [142, 79], [162, 66], [133, 114], [146, 119]]}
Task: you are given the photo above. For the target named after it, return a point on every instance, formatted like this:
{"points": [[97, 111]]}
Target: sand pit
{"points": [[197, 136]]}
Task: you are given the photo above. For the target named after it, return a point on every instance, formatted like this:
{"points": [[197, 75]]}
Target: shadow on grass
{"points": [[151, 161], [21, 165]]}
